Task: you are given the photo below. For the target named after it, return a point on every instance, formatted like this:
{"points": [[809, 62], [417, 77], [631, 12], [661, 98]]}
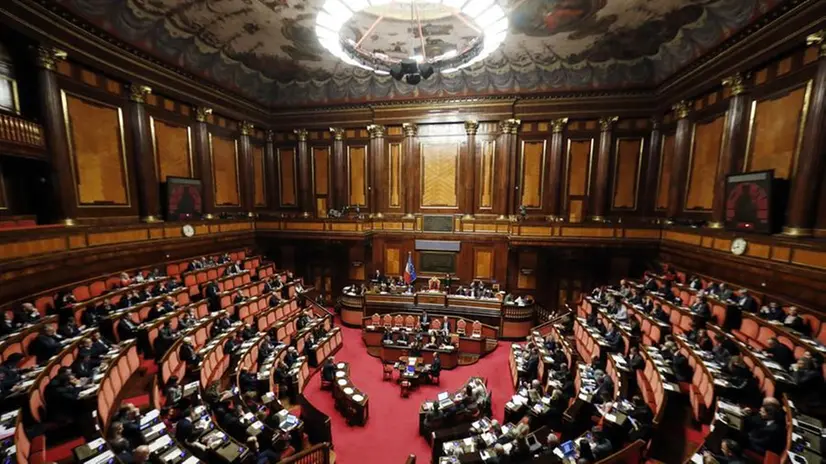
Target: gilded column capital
{"points": [[46, 57], [269, 135], [376, 131], [558, 125], [138, 93], [656, 123], [607, 122], [471, 127], [202, 113], [818, 38], [247, 128], [301, 134], [681, 109], [338, 133], [509, 126], [736, 83], [410, 129]]}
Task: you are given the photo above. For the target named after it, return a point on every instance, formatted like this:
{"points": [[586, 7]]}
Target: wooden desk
{"points": [[349, 400]]}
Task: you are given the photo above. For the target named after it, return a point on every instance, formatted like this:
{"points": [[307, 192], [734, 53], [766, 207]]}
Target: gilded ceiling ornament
{"points": [[681, 109], [606, 122], [736, 82], [138, 93], [376, 131], [47, 57], [410, 129], [559, 124], [338, 133], [202, 113]]}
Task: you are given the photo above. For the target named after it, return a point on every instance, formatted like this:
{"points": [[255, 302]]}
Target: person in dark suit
{"points": [[795, 322], [764, 430], [328, 372], [602, 447], [82, 368], [291, 357], [772, 312], [695, 283], [659, 314], [26, 314], [234, 268], [614, 339], [91, 316], [139, 456], [45, 345], [780, 353], [63, 394], [746, 302], [156, 312], [701, 309], [128, 300], [7, 324], [809, 392], [302, 321], [635, 360], [424, 321], [213, 296], [187, 353], [274, 300], [731, 453], [98, 347], [221, 324], [650, 284], [682, 370], [126, 328]]}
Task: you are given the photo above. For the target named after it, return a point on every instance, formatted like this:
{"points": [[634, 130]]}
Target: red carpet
{"points": [[392, 431]]}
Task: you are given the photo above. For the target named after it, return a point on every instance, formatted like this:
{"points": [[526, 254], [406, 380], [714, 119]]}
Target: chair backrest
{"points": [[477, 328], [461, 326], [398, 321], [409, 321], [388, 321], [376, 320]]}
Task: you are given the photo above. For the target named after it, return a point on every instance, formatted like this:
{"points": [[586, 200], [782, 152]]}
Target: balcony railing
{"points": [[18, 131]]}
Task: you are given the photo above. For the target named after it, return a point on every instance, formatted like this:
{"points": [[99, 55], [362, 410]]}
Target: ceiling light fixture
{"points": [[486, 18]]}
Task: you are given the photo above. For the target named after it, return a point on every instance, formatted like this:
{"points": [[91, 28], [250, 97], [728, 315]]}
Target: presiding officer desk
{"points": [[507, 320]]}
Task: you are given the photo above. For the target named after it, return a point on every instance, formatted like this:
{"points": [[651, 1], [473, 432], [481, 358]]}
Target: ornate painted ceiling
{"points": [[267, 51]]}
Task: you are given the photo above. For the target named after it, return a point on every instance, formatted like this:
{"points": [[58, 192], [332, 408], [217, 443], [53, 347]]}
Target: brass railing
{"points": [[19, 131]]}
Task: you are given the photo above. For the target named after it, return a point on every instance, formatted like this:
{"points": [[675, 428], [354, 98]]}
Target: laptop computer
{"points": [[568, 448]]}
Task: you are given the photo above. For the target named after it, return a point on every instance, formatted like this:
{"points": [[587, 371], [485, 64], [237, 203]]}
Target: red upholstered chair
{"points": [[387, 371], [387, 321], [477, 330], [436, 324], [398, 321], [375, 321], [409, 322], [461, 327]]}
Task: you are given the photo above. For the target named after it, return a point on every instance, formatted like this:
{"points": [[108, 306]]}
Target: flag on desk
{"points": [[409, 270]]}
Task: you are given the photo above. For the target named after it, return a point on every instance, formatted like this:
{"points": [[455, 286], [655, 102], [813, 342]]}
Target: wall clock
{"points": [[188, 230], [738, 246]]}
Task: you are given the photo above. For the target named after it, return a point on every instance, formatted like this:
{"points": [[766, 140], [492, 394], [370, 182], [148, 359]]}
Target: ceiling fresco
{"points": [[266, 50]]}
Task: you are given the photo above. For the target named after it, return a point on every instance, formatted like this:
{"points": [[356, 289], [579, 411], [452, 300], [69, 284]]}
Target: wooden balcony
{"points": [[21, 137]]}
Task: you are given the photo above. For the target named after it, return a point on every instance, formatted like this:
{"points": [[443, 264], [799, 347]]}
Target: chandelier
{"points": [[411, 39]]}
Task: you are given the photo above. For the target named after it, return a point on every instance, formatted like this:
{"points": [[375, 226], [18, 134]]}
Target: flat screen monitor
{"points": [[183, 199], [752, 199], [568, 448], [442, 396]]}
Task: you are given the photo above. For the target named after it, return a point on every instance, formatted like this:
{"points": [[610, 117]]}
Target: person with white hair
{"points": [[187, 353]]}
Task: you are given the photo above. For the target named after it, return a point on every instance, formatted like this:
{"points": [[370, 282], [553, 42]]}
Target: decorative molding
{"points": [[247, 128], [471, 127], [656, 123], [138, 93], [202, 113], [605, 123], [301, 134], [681, 109], [736, 83], [338, 133], [818, 38], [376, 131], [410, 129], [46, 57], [509, 126], [559, 124]]}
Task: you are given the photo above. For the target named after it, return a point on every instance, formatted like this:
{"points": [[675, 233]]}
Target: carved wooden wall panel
{"points": [[439, 174], [533, 173], [98, 151], [664, 179], [172, 144], [287, 176], [225, 171], [702, 169], [627, 173], [259, 176], [357, 178]]}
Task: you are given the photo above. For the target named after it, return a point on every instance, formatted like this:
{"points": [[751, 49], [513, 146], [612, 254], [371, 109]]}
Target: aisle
{"points": [[391, 433]]}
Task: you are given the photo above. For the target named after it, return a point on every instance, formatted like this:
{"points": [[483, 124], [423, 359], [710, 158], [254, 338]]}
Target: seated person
{"points": [[701, 308], [26, 314], [636, 361], [746, 302], [795, 322], [83, 367], [732, 453], [173, 392], [808, 394], [602, 447], [682, 369], [68, 329], [139, 456], [780, 353], [45, 345], [187, 353], [766, 430], [659, 314], [772, 312], [63, 394]]}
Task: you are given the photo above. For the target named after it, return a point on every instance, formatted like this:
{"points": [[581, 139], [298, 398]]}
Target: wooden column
{"points": [[376, 166], [652, 171], [143, 155], [339, 170], [203, 151], [271, 177], [808, 176], [245, 169], [411, 132], [467, 168], [54, 130], [509, 129], [555, 168], [682, 147], [305, 170], [600, 199], [734, 146]]}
